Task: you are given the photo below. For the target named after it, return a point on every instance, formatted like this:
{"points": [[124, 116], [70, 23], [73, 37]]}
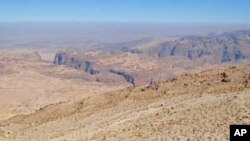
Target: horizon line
{"points": [[132, 22]]}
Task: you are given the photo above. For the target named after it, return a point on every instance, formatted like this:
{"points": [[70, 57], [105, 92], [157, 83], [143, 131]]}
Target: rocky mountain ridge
{"points": [[226, 47], [231, 47]]}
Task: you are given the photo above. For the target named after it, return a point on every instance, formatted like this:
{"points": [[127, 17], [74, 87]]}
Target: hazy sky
{"points": [[187, 11]]}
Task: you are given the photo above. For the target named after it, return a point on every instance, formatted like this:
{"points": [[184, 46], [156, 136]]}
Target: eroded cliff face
{"points": [[221, 48], [89, 66], [60, 58], [162, 60], [128, 77], [63, 58]]}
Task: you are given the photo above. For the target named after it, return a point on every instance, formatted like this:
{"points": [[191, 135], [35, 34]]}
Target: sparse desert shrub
{"points": [[225, 78], [173, 79], [224, 74]]}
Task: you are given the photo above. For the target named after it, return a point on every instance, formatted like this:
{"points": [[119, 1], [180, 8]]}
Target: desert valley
{"points": [[163, 88]]}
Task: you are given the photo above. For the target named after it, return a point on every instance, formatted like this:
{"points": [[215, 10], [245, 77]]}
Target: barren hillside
{"points": [[197, 106], [28, 83]]}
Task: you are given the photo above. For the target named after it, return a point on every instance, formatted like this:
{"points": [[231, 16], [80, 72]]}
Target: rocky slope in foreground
{"points": [[197, 106]]}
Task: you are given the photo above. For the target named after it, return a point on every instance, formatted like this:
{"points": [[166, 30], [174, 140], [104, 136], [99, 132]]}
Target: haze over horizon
{"points": [[113, 20], [160, 11]]}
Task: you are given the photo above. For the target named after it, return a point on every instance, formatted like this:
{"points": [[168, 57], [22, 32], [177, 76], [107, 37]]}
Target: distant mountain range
{"points": [[158, 59], [226, 47]]}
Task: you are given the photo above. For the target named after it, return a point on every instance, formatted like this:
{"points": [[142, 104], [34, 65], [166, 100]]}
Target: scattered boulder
{"points": [[5, 134], [225, 78]]}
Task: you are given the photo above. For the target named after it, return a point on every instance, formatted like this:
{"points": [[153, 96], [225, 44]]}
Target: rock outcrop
{"points": [[222, 48], [60, 58], [63, 58], [133, 51], [159, 61], [89, 66], [128, 77]]}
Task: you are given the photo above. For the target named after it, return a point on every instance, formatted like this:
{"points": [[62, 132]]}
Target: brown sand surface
{"points": [[198, 106], [27, 84]]}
